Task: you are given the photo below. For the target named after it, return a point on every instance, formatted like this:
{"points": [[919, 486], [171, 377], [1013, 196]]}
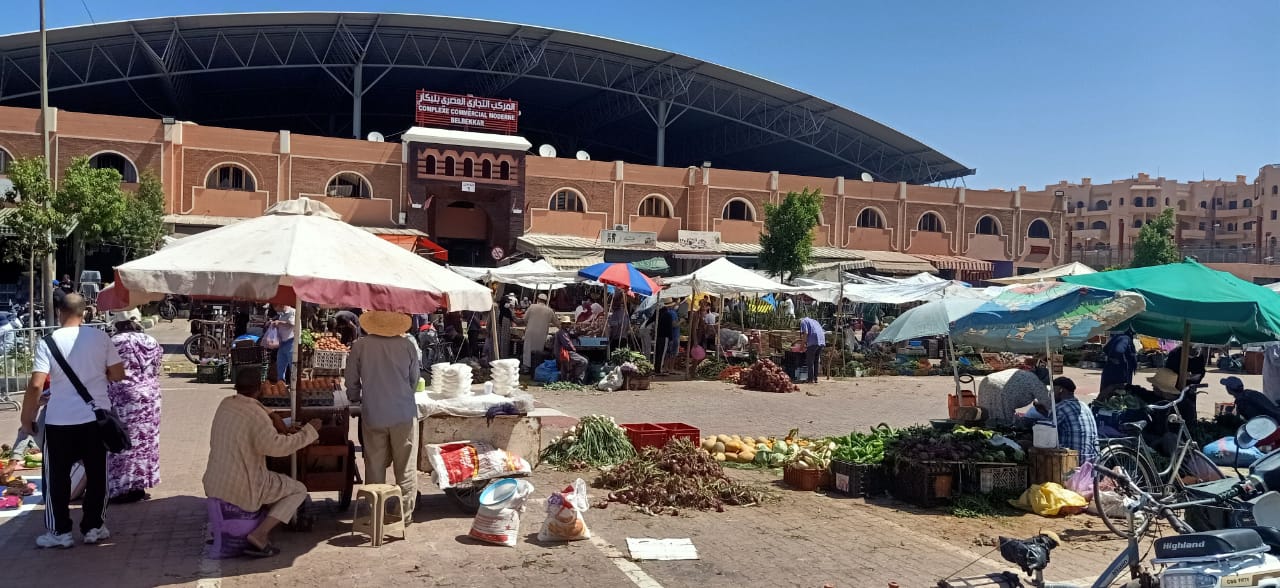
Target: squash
{"points": [[748, 441], [747, 456], [731, 457], [724, 438], [708, 443], [733, 447], [718, 447], [718, 456]]}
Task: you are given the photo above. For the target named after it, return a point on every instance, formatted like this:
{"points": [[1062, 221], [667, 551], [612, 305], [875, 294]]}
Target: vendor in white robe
{"points": [[538, 319]]}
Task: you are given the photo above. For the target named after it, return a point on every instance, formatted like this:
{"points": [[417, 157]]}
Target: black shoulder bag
{"points": [[114, 434]]}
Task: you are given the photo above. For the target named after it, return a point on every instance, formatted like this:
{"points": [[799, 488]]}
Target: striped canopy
{"points": [[621, 275]]}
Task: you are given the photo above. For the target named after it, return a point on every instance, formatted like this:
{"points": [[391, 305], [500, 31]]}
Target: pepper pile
{"points": [[864, 448]]}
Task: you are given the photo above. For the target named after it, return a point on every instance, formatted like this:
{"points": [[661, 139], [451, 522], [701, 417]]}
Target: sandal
{"points": [[267, 550]]}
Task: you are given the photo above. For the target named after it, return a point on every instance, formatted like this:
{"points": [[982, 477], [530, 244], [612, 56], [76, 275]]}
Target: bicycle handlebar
{"points": [[1181, 396]]}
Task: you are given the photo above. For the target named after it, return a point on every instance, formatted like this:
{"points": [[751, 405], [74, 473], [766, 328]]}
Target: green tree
{"points": [[1155, 244], [94, 200], [787, 240], [34, 219], [142, 227]]}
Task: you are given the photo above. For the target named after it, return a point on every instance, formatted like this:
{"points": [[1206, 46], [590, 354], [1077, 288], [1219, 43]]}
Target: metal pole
{"points": [[357, 98], [661, 121], [48, 261]]}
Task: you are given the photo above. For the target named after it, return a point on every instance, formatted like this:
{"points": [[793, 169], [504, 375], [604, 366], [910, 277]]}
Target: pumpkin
{"points": [[718, 456], [747, 456], [724, 438], [733, 447]]}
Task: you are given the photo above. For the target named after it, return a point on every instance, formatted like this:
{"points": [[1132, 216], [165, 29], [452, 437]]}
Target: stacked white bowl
{"points": [[505, 374], [437, 376], [456, 381]]}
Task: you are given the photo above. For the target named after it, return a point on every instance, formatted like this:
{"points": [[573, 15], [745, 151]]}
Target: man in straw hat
{"points": [[382, 373], [538, 319], [573, 366]]}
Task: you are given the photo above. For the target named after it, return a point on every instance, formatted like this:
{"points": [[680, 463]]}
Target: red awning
{"points": [[403, 241], [429, 248]]}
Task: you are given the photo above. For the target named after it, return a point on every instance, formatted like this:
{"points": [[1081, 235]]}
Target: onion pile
{"points": [[766, 376], [677, 476], [330, 342]]}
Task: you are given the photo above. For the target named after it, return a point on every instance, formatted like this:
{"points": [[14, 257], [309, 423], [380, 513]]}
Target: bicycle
{"points": [[1137, 461]]}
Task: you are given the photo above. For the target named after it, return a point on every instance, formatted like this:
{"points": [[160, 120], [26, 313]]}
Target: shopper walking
{"points": [[815, 338], [382, 372], [136, 400], [538, 319], [286, 318], [72, 353]]}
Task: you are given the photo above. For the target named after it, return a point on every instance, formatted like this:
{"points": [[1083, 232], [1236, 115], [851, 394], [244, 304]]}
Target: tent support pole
{"points": [[494, 317], [955, 365], [1186, 354], [294, 376]]}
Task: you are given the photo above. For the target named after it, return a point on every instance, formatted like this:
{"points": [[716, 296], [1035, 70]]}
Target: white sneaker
{"points": [[51, 539], [96, 535]]}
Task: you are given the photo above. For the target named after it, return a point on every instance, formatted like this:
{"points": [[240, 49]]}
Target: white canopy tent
{"points": [[723, 277], [1074, 268], [534, 275]]}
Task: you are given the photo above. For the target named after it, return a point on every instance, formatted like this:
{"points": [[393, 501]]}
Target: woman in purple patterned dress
{"points": [[137, 400]]}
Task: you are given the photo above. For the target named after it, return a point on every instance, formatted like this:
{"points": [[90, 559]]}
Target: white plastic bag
{"points": [[271, 338], [498, 520], [611, 381], [564, 514]]}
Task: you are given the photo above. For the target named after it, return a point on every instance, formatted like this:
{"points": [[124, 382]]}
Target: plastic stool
{"points": [[229, 526], [376, 523]]}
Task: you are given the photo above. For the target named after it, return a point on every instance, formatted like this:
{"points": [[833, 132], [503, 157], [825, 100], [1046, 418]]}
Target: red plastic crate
{"points": [[657, 434], [681, 431]]}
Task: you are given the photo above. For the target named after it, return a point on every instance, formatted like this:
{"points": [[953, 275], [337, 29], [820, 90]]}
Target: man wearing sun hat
{"points": [[382, 373], [538, 319]]}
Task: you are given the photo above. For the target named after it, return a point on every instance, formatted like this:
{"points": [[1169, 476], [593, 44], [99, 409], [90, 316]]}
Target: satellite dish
{"points": [[376, 137], [583, 156], [546, 150], [866, 177]]}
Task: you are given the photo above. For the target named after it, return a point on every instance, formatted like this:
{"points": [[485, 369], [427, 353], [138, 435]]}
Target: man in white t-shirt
{"points": [[285, 319], [71, 432]]}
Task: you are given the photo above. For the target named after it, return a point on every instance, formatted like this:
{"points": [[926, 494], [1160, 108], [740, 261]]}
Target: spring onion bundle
{"points": [[594, 442]]}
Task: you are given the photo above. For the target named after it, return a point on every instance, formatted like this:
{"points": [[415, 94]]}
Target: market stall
{"points": [[300, 250]]}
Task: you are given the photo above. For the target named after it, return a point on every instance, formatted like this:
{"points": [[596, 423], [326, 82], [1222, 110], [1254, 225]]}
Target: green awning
{"points": [[653, 264], [1217, 305]]}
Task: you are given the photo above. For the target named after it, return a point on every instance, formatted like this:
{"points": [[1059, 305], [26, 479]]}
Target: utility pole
{"points": [[48, 271]]}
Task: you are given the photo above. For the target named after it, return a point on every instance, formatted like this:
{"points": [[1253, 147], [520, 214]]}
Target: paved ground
{"points": [[800, 539]]}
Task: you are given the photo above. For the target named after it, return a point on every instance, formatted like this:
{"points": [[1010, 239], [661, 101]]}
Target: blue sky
{"points": [[1026, 92]]}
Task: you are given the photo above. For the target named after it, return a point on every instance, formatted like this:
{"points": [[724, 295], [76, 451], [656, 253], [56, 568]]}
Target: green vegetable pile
{"points": [[307, 340], [864, 448], [677, 476], [1120, 403], [922, 443], [710, 369], [595, 441], [564, 385]]}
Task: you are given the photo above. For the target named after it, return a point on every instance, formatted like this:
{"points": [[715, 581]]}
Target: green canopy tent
{"points": [[1191, 302]]}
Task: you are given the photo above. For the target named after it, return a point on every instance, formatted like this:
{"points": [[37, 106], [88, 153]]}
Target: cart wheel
{"points": [[468, 498]]}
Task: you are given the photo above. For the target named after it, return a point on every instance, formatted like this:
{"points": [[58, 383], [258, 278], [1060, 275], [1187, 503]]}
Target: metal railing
{"points": [[17, 350], [1103, 258]]}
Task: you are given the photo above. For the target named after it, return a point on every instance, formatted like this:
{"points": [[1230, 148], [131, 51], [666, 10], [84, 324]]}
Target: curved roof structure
{"points": [[344, 74]]}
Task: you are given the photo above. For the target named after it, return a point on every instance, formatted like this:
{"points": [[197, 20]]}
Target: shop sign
{"points": [[497, 253], [699, 240], [628, 238], [468, 186], [1040, 250], [438, 109]]}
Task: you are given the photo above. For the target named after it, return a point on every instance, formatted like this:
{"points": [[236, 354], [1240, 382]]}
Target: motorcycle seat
{"points": [[1209, 545], [1270, 536]]}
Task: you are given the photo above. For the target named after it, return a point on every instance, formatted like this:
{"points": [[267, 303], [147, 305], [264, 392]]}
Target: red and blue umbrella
{"points": [[621, 275]]}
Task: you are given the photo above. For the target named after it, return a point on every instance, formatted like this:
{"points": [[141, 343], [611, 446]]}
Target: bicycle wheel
{"points": [[168, 311], [1144, 476], [193, 348]]}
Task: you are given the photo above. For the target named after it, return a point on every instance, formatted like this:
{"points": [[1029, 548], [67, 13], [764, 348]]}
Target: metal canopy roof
{"points": [[303, 72]]}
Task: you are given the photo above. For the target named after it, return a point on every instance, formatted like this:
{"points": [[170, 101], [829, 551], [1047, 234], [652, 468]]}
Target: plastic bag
{"points": [[1224, 452], [564, 514], [546, 373], [1050, 500], [612, 381], [498, 520], [1112, 505], [1081, 480], [271, 339], [462, 462]]}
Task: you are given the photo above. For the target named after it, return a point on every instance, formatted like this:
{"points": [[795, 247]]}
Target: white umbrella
{"points": [[300, 244]]}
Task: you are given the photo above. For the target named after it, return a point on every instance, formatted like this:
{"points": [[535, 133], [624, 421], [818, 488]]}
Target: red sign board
{"points": [[437, 109]]}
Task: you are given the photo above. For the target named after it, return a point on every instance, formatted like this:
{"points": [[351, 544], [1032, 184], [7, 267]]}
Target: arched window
{"points": [[1137, 203], [5, 159], [1101, 205], [1151, 201], [931, 222], [1079, 225], [431, 165], [987, 225], [655, 206], [1137, 223], [567, 201], [870, 218], [1248, 203], [504, 171], [1231, 205], [120, 163], [468, 168], [449, 165], [1038, 230], [230, 176], [738, 209], [1248, 226], [1079, 203], [1102, 225], [349, 185], [486, 169]]}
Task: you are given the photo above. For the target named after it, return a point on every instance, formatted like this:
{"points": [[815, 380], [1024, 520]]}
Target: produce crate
{"points": [[329, 360], [644, 435], [212, 373], [247, 354], [924, 483], [858, 480], [806, 480], [274, 401], [982, 477]]}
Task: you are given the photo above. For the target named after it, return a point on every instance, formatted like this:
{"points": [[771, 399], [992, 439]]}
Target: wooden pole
{"points": [[1186, 354]]}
